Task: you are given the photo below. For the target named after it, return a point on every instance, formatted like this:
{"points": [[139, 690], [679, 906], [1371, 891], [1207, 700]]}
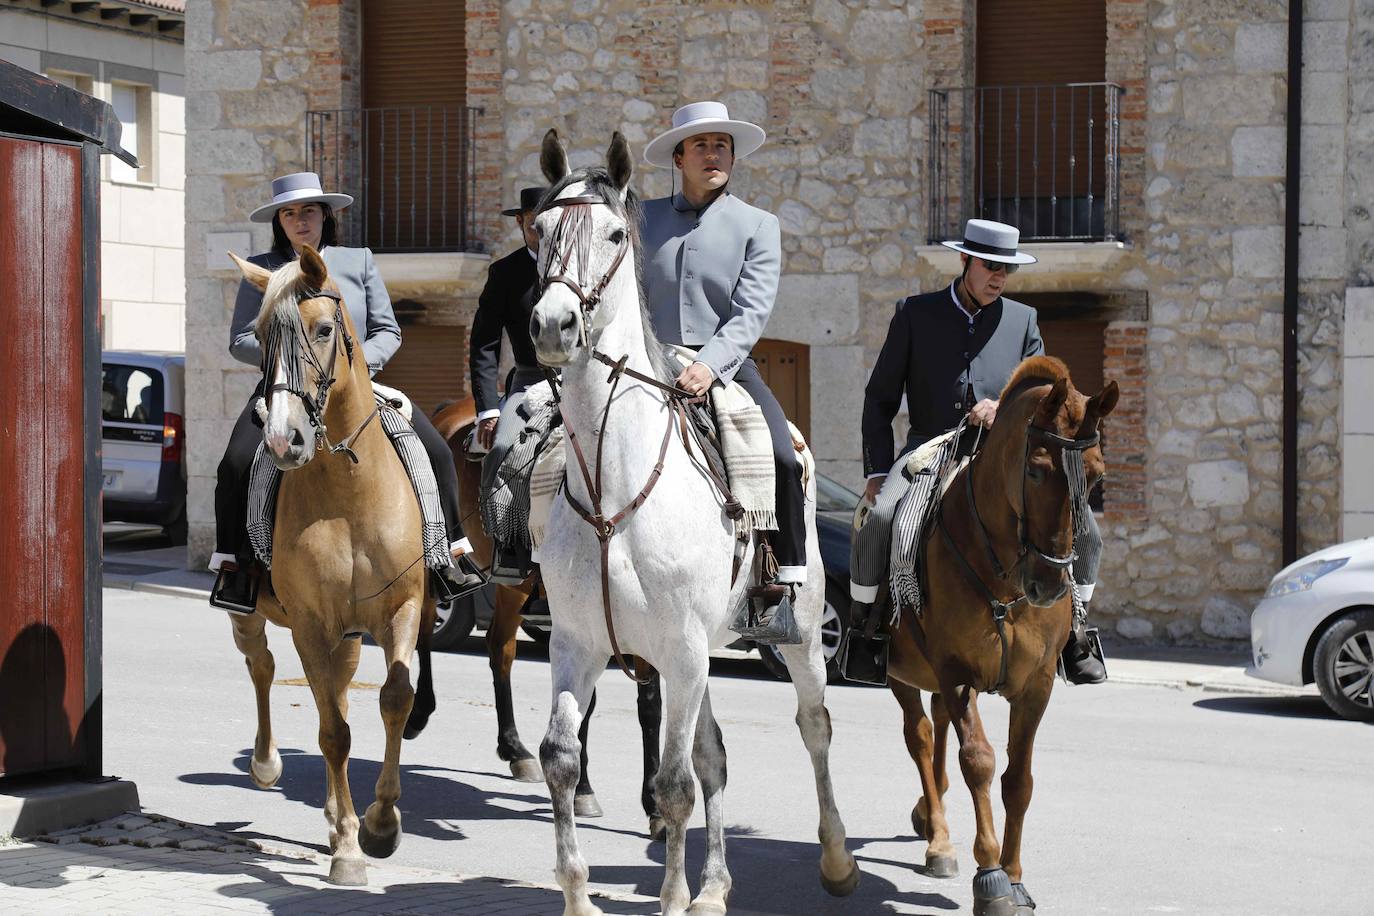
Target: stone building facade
{"points": [[130, 57], [1187, 296]]}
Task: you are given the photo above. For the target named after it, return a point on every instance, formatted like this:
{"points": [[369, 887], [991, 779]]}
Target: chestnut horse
{"points": [[347, 550], [998, 612], [454, 422]]}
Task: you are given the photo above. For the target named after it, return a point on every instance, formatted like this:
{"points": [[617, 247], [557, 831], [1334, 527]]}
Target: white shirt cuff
{"points": [[493, 412], [871, 476]]}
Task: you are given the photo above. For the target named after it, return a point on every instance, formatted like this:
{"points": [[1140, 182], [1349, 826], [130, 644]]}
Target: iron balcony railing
{"points": [[1044, 158], [412, 173]]}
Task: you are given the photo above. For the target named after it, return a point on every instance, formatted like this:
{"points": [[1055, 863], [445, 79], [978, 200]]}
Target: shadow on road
{"points": [[1285, 707]]}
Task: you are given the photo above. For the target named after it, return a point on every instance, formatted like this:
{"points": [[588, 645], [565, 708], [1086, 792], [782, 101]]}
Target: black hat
{"points": [[529, 199]]}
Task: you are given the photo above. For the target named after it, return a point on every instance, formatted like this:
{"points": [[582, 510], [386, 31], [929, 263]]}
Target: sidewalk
{"points": [[163, 571], [144, 863]]}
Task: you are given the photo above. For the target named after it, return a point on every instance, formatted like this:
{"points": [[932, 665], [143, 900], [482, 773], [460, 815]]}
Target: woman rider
{"points": [[711, 268], [302, 214]]}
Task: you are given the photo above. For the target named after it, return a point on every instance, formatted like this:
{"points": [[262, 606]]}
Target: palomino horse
{"points": [[654, 579], [454, 422], [998, 613], [347, 554]]}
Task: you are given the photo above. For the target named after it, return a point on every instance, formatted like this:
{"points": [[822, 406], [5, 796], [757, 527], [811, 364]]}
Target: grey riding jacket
{"points": [[364, 295], [711, 276]]}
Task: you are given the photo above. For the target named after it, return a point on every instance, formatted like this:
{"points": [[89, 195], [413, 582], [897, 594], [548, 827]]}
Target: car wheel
{"points": [[453, 623], [833, 633], [1344, 666]]}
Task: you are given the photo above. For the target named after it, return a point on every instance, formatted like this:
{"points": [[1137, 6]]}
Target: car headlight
{"points": [[1301, 579]]}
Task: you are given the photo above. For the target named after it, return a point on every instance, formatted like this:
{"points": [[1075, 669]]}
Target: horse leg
{"points": [[346, 866], [650, 704], [839, 872], [584, 799], [708, 759], [501, 656], [991, 889], [250, 635], [939, 713], [425, 701], [573, 679], [1026, 712], [343, 662], [930, 823], [380, 832], [675, 788]]}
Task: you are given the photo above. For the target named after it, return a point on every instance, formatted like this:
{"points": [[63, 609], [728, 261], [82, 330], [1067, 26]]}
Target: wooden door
{"points": [[786, 369], [431, 367], [43, 537]]}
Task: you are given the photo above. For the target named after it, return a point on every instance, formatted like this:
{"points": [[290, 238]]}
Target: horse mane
{"points": [[281, 301], [599, 183], [1036, 370]]}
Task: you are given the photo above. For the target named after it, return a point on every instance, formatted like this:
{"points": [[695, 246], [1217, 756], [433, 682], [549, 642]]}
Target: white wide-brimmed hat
{"points": [[297, 188], [703, 118], [992, 241]]}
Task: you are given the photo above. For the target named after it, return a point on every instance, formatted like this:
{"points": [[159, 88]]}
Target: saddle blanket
{"points": [[929, 469], [506, 505], [393, 411]]}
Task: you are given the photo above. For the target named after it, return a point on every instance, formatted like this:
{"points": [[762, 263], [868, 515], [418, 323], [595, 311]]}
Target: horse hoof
{"points": [[526, 770], [706, 908], [658, 830], [379, 846], [415, 724], [942, 866], [587, 806], [992, 893], [844, 886], [265, 775], [348, 872]]}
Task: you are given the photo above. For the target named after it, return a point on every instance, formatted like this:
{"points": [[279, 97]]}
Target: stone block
{"points": [[1324, 98], [816, 309], [144, 326], [1259, 152], [1135, 628], [1237, 405], [1322, 253], [169, 280], [1322, 202], [1357, 484], [1218, 483], [217, 71], [152, 216], [1359, 321], [224, 152], [882, 35], [261, 23], [265, 107], [1221, 101], [1262, 47], [1208, 199], [1225, 619], [1257, 253], [887, 138], [837, 87], [1324, 46], [1323, 150], [837, 381]]}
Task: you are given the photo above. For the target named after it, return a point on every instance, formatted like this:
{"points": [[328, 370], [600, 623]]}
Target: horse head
{"points": [[588, 231], [302, 326], [1052, 469]]}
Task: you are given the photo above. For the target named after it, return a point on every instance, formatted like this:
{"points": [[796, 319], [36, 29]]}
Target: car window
{"points": [[832, 496], [131, 394]]}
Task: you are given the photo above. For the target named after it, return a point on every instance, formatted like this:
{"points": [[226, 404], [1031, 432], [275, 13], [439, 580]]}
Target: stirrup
{"points": [[447, 585], [863, 658], [1092, 644], [767, 617], [235, 603]]}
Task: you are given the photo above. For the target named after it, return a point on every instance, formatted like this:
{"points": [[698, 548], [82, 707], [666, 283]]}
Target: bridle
{"points": [[1071, 455], [574, 231], [298, 348]]}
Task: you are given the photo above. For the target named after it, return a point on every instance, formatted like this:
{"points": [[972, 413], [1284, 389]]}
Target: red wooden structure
{"points": [[51, 138]]}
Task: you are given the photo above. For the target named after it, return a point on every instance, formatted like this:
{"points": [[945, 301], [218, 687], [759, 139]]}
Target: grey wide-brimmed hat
{"points": [[529, 199], [703, 118], [297, 188], [992, 241]]}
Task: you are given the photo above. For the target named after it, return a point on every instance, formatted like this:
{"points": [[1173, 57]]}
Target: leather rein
{"points": [[315, 404], [675, 398], [1028, 547]]}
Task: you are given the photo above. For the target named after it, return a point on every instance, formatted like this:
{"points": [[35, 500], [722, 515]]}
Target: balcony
{"points": [[412, 172], [1044, 158]]}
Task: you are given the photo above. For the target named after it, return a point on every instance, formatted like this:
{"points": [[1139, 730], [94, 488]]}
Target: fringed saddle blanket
{"points": [[506, 506], [393, 411], [930, 469]]}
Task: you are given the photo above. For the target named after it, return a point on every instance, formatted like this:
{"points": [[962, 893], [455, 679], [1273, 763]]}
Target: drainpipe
{"points": [[1291, 182]]}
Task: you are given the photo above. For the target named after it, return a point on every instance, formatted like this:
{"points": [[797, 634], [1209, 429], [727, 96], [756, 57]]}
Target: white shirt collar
{"points": [[959, 305]]}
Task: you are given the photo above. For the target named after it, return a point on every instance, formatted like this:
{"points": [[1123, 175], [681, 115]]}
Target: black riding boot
{"points": [[1082, 656], [457, 581]]}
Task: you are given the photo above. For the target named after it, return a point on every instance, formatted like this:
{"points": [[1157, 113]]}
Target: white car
{"points": [[1316, 623], [143, 449]]}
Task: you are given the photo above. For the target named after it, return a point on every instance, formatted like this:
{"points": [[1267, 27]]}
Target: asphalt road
{"points": [[1147, 799]]}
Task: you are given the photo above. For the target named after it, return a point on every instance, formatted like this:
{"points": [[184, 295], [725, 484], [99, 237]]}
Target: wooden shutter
{"points": [[786, 370], [1080, 345], [415, 122], [431, 365], [1028, 137]]}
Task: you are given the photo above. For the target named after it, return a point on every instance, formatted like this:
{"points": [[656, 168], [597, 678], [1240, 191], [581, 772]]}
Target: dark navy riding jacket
{"points": [[944, 363]]}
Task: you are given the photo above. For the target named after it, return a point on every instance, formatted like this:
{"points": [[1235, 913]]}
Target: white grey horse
{"points": [[668, 565]]}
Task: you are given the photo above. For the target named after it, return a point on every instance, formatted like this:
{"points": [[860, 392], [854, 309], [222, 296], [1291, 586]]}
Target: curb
{"points": [[50, 807]]}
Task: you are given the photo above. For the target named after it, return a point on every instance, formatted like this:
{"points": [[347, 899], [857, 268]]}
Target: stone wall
{"points": [[1357, 455]]}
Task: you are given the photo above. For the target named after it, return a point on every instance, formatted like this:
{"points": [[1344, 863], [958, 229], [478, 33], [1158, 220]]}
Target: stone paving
{"points": [[145, 863]]}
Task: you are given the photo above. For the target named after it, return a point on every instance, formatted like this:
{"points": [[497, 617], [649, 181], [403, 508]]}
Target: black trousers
{"points": [[789, 541], [231, 490]]}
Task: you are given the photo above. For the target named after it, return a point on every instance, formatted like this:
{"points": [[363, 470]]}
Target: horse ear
{"points": [[619, 162], [553, 158], [1099, 405], [1055, 399], [255, 275], [312, 267]]}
